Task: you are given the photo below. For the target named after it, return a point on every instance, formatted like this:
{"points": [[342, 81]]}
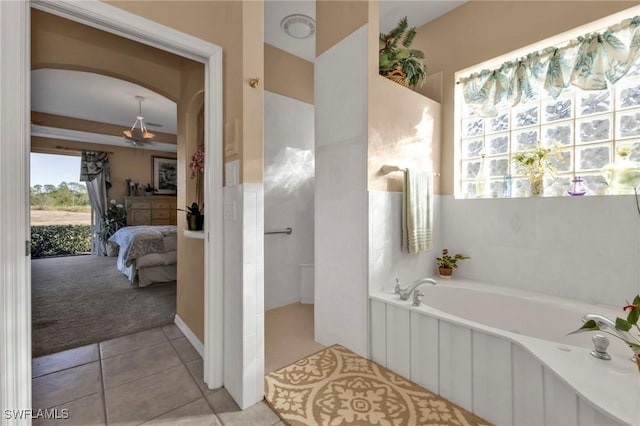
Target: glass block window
{"points": [[586, 128]]}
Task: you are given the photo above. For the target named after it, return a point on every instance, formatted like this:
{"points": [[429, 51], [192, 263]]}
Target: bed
{"points": [[146, 254]]}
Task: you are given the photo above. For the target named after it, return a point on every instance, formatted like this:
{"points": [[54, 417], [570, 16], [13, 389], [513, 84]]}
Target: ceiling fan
{"points": [[139, 134]]}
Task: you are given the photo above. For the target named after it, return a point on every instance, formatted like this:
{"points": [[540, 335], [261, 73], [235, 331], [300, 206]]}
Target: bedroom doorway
{"points": [[79, 301], [15, 300]]}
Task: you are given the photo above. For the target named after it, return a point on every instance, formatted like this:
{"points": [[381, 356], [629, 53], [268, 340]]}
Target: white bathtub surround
{"points": [[387, 259], [243, 293], [288, 196], [459, 345], [583, 248], [341, 229]]}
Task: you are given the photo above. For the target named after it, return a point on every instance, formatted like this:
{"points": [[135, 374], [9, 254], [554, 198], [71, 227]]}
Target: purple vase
{"points": [[577, 187]]}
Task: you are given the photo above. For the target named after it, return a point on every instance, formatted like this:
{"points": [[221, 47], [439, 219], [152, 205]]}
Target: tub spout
{"points": [[605, 323], [406, 292]]}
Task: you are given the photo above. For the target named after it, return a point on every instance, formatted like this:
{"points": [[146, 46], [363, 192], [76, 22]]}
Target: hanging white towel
{"points": [[417, 211]]}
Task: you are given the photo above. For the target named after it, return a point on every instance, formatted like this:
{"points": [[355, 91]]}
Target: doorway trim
{"points": [[15, 144]]}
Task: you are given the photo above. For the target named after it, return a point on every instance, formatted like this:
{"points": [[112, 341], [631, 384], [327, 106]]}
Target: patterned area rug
{"points": [[337, 387]]}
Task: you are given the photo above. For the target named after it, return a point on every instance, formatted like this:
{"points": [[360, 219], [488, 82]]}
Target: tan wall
{"points": [[287, 74], [135, 164], [238, 28], [60, 43], [404, 126], [252, 98], [343, 17], [481, 30], [221, 23], [190, 294], [404, 131]]}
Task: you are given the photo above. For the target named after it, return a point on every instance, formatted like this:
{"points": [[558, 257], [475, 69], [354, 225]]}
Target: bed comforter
{"points": [[144, 247]]}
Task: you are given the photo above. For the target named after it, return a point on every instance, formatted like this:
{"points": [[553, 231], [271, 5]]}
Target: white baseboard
{"points": [[195, 342]]}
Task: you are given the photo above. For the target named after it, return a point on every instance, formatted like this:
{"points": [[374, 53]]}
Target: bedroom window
{"points": [[580, 97], [59, 205]]}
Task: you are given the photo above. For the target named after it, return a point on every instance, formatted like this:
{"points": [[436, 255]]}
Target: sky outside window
{"points": [[51, 169]]}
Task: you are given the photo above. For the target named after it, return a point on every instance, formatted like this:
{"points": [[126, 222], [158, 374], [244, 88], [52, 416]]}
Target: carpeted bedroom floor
{"points": [[78, 300]]}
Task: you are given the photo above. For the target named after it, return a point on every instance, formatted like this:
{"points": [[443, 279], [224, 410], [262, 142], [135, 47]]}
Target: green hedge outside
{"points": [[56, 240]]}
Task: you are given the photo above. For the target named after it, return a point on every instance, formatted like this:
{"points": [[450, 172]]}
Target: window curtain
{"points": [[591, 62], [94, 170]]}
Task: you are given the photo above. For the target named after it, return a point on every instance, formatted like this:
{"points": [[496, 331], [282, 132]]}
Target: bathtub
{"points": [[505, 355]]}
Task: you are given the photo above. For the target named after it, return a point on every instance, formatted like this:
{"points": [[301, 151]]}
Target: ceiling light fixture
{"points": [[298, 26], [140, 133]]}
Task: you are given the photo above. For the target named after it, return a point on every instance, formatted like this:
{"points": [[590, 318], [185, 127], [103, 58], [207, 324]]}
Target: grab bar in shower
{"points": [[284, 231]]}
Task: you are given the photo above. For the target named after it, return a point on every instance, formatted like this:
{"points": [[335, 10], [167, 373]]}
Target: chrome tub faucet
{"points": [[404, 293], [607, 324]]}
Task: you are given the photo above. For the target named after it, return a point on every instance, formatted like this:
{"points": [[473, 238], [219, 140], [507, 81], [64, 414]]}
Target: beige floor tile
{"points": [[172, 331], [145, 399], [288, 336], [131, 342], [258, 415], [63, 360], [186, 351], [137, 364], [87, 411], [222, 402], [66, 385], [196, 368], [197, 413]]}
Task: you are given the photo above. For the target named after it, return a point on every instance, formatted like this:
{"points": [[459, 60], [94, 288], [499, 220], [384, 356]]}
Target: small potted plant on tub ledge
{"points": [[446, 264]]}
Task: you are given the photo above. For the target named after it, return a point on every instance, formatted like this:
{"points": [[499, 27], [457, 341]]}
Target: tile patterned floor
{"points": [[153, 377]]}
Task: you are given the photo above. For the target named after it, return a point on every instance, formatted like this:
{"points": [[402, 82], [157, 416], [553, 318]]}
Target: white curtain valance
{"points": [[590, 63]]}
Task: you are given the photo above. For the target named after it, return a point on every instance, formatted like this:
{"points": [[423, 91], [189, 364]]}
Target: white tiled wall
{"points": [[387, 260], [584, 248], [288, 196], [341, 241], [233, 349], [243, 293]]}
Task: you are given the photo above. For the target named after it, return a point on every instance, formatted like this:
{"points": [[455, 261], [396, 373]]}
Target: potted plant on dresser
{"points": [[446, 264]]}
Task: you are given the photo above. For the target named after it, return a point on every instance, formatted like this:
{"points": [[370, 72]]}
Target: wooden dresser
{"points": [[154, 210]]}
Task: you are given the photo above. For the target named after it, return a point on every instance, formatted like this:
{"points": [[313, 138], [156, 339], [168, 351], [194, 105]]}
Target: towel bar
{"points": [[284, 231], [386, 169]]}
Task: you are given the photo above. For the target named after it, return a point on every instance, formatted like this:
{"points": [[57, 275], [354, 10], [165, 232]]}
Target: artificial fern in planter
{"points": [[399, 63]]}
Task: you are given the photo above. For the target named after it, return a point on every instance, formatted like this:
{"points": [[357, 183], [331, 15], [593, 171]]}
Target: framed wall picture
{"points": [[165, 175]]}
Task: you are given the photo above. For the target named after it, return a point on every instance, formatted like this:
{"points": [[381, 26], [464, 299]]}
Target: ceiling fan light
{"points": [[139, 133]]}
